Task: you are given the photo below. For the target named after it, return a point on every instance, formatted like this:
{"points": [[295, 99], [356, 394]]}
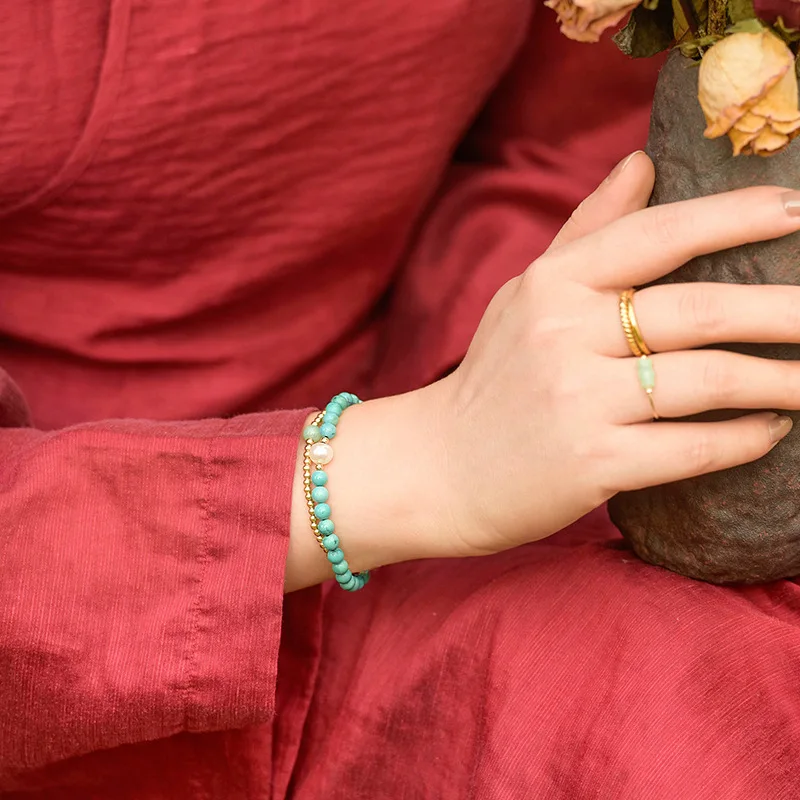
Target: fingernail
{"points": [[620, 168], [779, 427], [791, 202]]}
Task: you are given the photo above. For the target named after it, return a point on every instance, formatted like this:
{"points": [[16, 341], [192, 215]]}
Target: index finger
{"points": [[650, 243]]}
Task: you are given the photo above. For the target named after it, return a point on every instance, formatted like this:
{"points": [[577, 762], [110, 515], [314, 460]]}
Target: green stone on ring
{"points": [[646, 373]]}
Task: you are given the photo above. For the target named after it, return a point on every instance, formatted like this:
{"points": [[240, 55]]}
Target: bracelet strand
{"points": [[317, 454]]}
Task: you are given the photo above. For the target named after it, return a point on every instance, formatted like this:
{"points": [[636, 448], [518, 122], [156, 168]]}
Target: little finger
{"points": [[673, 451]]}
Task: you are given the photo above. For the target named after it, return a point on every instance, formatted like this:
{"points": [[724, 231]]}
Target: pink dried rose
{"points": [[748, 90], [585, 20]]}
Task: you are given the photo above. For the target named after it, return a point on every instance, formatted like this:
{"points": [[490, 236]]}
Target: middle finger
{"points": [[682, 316]]}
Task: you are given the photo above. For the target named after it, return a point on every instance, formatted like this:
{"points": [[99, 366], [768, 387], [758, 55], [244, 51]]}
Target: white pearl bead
{"points": [[321, 453]]}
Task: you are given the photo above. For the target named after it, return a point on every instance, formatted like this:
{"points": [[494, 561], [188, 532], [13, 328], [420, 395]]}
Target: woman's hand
{"points": [[545, 418]]}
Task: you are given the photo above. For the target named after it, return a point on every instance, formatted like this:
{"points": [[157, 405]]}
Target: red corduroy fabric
{"points": [[213, 210]]}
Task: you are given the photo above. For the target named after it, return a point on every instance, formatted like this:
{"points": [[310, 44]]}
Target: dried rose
{"points": [[585, 20], [748, 90], [787, 10]]}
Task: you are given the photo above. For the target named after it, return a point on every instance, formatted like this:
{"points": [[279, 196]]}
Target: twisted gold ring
{"points": [[630, 326]]}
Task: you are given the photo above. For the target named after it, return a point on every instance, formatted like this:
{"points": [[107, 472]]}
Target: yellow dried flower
{"points": [[585, 20], [748, 90]]}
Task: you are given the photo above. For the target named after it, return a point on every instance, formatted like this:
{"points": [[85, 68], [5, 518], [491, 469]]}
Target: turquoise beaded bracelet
{"points": [[317, 455]]}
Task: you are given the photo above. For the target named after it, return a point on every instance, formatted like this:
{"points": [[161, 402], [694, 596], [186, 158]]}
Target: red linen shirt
{"points": [[208, 211]]}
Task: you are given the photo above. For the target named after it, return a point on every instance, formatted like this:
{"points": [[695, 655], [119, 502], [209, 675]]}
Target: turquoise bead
{"points": [[311, 432], [331, 418], [319, 494], [350, 585], [345, 577], [647, 374], [327, 430], [341, 567], [322, 511], [335, 556], [330, 542], [334, 408], [319, 477], [360, 582], [326, 527]]}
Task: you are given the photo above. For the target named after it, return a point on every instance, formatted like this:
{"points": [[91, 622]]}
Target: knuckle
{"points": [[551, 325], [549, 330], [719, 381], [666, 225], [700, 307], [598, 456], [702, 453], [788, 379], [593, 452], [579, 214], [567, 388], [544, 270], [532, 282], [791, 315]]}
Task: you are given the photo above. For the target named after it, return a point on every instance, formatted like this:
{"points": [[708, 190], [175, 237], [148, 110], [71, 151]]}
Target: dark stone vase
{"points": [[741, 525]]}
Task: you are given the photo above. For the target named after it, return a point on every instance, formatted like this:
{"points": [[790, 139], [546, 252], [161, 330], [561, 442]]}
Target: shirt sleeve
{"points": [[562, 116], [141, 578]]}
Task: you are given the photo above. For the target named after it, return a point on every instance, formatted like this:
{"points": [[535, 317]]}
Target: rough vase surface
{"points": [[743, 524]]}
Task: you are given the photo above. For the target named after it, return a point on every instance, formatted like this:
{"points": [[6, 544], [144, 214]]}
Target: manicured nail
{"points": [[620, 168], [779, 427], [791, 202]]}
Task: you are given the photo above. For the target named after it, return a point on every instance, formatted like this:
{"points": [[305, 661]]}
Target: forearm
{"points": [[384, 487]]}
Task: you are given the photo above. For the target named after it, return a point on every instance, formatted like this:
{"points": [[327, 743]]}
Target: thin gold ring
{"points": [[630, 325]]}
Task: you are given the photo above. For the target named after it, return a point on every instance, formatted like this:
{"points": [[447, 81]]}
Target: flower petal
{"points": [[747, 89]]}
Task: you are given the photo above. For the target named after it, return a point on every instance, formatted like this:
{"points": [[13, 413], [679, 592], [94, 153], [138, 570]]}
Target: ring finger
{"points": [[687, 315], [692, 382]]}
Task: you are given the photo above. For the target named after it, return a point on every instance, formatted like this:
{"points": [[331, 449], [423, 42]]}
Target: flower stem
{"points": [[691, 17]]}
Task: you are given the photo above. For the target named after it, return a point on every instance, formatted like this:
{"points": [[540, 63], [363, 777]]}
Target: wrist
{"points": [[389, 458], [384, 484]]}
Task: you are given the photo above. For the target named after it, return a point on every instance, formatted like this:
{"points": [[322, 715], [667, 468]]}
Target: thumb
{"points": [[625, 190]]}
